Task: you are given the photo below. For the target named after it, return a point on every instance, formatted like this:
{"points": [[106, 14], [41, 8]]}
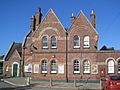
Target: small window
{"points": [[110, 66], [53, 66], [86, 42], [76, 66], [86, 66], [118, 66], [44, 66], [53, 42], [76, 42], [45, 42]]}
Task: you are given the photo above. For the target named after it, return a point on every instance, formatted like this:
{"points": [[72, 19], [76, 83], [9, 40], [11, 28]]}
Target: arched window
{"points": [[118, 66], [111, 66], [45, 42], [76, 66], [53, 66], [86, 42], [53, 42], [44, 66], [86, 66], [76, 41]]}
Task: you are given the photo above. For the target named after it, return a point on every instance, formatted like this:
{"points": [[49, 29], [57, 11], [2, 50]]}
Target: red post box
{"points": [[102, 72]]}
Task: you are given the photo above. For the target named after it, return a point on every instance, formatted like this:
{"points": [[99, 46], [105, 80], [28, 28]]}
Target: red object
{"points": [[111, 83], [102, 72]]}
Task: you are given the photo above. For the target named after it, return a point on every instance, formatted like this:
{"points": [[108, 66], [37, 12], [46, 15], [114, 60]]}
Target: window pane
{"points": [[53, 41], [45, 42], [110, 66], [86, 66], [53, 66], [86, 41], [119, 66], [76, 41], [44, 66], [76, 66]]}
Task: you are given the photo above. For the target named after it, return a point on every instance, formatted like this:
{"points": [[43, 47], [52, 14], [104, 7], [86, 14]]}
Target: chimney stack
{"points": [[92, 16], [72, 18], [38, 17], [32, 25]]}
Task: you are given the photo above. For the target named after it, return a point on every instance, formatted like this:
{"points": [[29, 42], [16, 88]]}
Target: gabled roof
{"points": [[14, 46], [47, 18], [106, 48], [82, 18]]}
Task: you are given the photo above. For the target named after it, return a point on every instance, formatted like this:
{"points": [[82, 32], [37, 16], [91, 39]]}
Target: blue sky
{"points": [[15, 18]]}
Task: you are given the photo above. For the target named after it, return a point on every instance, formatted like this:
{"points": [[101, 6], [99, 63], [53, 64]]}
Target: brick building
{"points": [[51, 51], [12, 61]]}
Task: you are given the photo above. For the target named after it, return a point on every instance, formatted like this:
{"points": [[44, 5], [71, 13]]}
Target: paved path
{"points": [[46, 85]]}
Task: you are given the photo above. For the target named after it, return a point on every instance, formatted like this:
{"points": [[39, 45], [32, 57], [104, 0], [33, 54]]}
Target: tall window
{"points": [[76, 66], [86, 66], [110, 66], [86, 42], [53, 66], [45, 42], [53, 42], [44, 66], [118, 66], [76, 42]]}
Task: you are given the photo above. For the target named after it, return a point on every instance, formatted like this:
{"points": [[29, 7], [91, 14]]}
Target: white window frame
{"points": [[86, 67], [86, 40], [76, 64], [44, 64], [111, 66], [76, 41], [53, 42], [53, 67], [44, 42]]}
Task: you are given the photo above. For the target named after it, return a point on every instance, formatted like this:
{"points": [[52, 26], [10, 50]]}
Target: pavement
{"points": [[78, 86]]}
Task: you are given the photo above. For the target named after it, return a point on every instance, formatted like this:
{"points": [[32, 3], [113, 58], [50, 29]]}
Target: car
{"points": [[111, 83]]}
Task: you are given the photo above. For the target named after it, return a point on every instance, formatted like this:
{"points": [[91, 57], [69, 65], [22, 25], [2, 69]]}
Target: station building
{"points": [[49, 50]]}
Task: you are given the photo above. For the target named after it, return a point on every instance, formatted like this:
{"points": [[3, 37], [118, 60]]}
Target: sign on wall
{"points": [[36, 68], [61, 69], [28, 68], [94, 69]]}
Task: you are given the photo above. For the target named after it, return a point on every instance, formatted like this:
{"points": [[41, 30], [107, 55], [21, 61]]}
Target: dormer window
{"points": [[76, 42], [53, 42], [45, 42], [86, 43]]}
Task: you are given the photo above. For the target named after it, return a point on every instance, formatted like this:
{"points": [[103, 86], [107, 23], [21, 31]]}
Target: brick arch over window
{"points": [[47, 29]]}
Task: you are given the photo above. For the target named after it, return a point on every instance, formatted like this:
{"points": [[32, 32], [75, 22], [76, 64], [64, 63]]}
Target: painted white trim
{"points": [[118, 59], [17, 68], [109, 58]]}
